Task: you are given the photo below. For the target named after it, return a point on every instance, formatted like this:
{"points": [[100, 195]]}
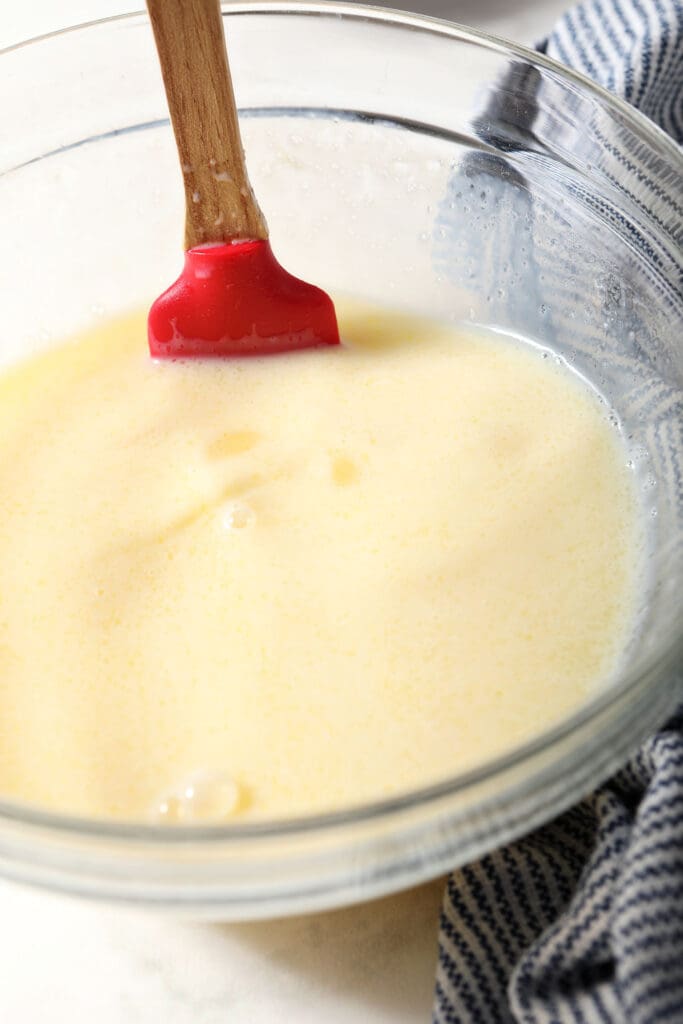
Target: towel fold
{"points": [[581, 921]]}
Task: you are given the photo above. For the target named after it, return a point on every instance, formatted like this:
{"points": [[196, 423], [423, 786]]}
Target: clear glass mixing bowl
{"points": [[422, 164]]}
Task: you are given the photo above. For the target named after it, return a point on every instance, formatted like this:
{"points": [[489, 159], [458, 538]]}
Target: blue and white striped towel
{"points": [[582, 921], [632, 47]]}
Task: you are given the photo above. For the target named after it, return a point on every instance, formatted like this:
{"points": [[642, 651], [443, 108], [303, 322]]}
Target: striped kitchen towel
{"points": [[582, 921], [631, 47]]}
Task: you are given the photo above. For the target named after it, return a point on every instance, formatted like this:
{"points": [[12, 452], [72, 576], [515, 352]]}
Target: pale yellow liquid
{"points": [[306, 581]]}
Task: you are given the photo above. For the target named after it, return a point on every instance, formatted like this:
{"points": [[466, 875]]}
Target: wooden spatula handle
{"points": [[219, 202]]}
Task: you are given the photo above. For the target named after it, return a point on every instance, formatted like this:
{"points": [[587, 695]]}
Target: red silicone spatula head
{"points": [[233, 298], [236, 300]]}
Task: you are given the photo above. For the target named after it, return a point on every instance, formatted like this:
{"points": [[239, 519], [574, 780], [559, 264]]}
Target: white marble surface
{"points": [[64, 961]]}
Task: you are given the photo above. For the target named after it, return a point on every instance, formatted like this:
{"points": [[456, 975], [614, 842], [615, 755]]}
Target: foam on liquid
{"points": [[274, 586]]}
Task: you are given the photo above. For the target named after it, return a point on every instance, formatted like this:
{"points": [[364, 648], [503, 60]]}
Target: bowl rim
{"points": [[657, 664], [426, 23]]}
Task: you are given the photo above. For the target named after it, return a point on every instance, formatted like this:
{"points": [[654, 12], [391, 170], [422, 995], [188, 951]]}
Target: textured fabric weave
{"points": [[631, 47], [582, 921]]}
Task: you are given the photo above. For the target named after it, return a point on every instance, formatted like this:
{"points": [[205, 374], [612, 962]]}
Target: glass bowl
{"points": [[412, 161]]}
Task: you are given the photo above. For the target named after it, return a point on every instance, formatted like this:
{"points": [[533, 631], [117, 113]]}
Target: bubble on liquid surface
{"points": [[344, 471], [237, 515], [204, 797]]}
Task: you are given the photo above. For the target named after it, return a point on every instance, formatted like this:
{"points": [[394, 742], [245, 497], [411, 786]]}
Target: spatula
{"points": [[233, 298]]}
